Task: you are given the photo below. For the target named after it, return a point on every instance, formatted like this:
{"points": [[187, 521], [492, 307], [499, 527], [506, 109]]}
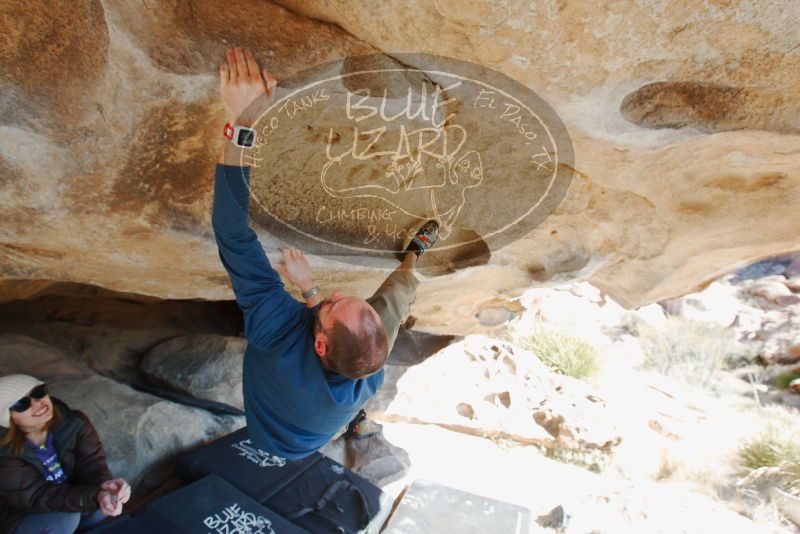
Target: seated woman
{"points": [[53, 472]]}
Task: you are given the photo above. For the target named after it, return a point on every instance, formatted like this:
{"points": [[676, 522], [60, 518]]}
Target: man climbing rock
{"points": [[309, 369]]}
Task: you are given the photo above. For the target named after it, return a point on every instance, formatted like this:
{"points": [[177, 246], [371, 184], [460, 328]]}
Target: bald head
{"points": [[349, 337]]}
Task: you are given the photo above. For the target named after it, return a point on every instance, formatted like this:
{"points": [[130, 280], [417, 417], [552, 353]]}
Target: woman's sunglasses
{"points": [[38, 393]]}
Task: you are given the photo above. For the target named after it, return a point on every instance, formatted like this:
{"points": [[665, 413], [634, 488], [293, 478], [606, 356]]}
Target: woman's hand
{"points": [[109, 504], [118, 487]]}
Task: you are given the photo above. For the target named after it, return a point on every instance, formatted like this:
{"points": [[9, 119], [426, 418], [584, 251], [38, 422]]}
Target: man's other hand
{"points": [[294, 267], [241, 82]]}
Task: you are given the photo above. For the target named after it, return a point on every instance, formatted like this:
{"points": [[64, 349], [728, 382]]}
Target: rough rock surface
{"points": [[763, 312], [205, 366], [717, 303], [501, 391], [650, 508], [209, 366], [591, 502], [684, 120], [110, 332], [86, 161], [371, 456], [140, 432]]}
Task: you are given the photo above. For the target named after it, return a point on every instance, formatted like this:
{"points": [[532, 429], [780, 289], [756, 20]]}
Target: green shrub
{"points": [[783, 380], [561, 352], [691, 351]]}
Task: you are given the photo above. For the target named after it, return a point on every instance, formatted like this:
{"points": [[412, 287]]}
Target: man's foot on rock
{"points": [[366, 429], [424, 239], [361, 427]]}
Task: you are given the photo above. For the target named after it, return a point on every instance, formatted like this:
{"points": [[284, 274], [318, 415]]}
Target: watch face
{"points": [[246, 137]]}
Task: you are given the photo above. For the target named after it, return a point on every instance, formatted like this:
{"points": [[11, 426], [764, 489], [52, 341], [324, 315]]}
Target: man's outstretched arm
{"points": [[268, 309]]}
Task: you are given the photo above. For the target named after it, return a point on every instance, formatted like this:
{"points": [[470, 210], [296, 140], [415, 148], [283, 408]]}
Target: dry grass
{"points": [[736, 459], [690, 351], [791, 483], [594, 460], [774, 452]]}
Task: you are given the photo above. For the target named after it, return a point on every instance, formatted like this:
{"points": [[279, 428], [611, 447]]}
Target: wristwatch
{"points": [[313, 292], [240, 136]]}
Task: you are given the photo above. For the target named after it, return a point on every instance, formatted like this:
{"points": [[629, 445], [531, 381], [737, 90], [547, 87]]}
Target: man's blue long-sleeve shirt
{"points": [[292, 404]]}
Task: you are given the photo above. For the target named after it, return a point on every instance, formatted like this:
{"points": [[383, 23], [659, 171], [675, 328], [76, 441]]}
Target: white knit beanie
{"points": [[12, 389]]}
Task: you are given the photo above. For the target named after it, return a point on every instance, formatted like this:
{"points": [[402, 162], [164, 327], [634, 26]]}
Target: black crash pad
{"points": [[212, 506], [234, 458]]}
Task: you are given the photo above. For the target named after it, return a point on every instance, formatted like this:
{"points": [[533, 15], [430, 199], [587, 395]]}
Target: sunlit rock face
{"points": [[111, 128], [684, 121]]}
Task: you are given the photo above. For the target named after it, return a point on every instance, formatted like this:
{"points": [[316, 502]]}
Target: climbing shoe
{"points": [[423, 240], [353, 427]]}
